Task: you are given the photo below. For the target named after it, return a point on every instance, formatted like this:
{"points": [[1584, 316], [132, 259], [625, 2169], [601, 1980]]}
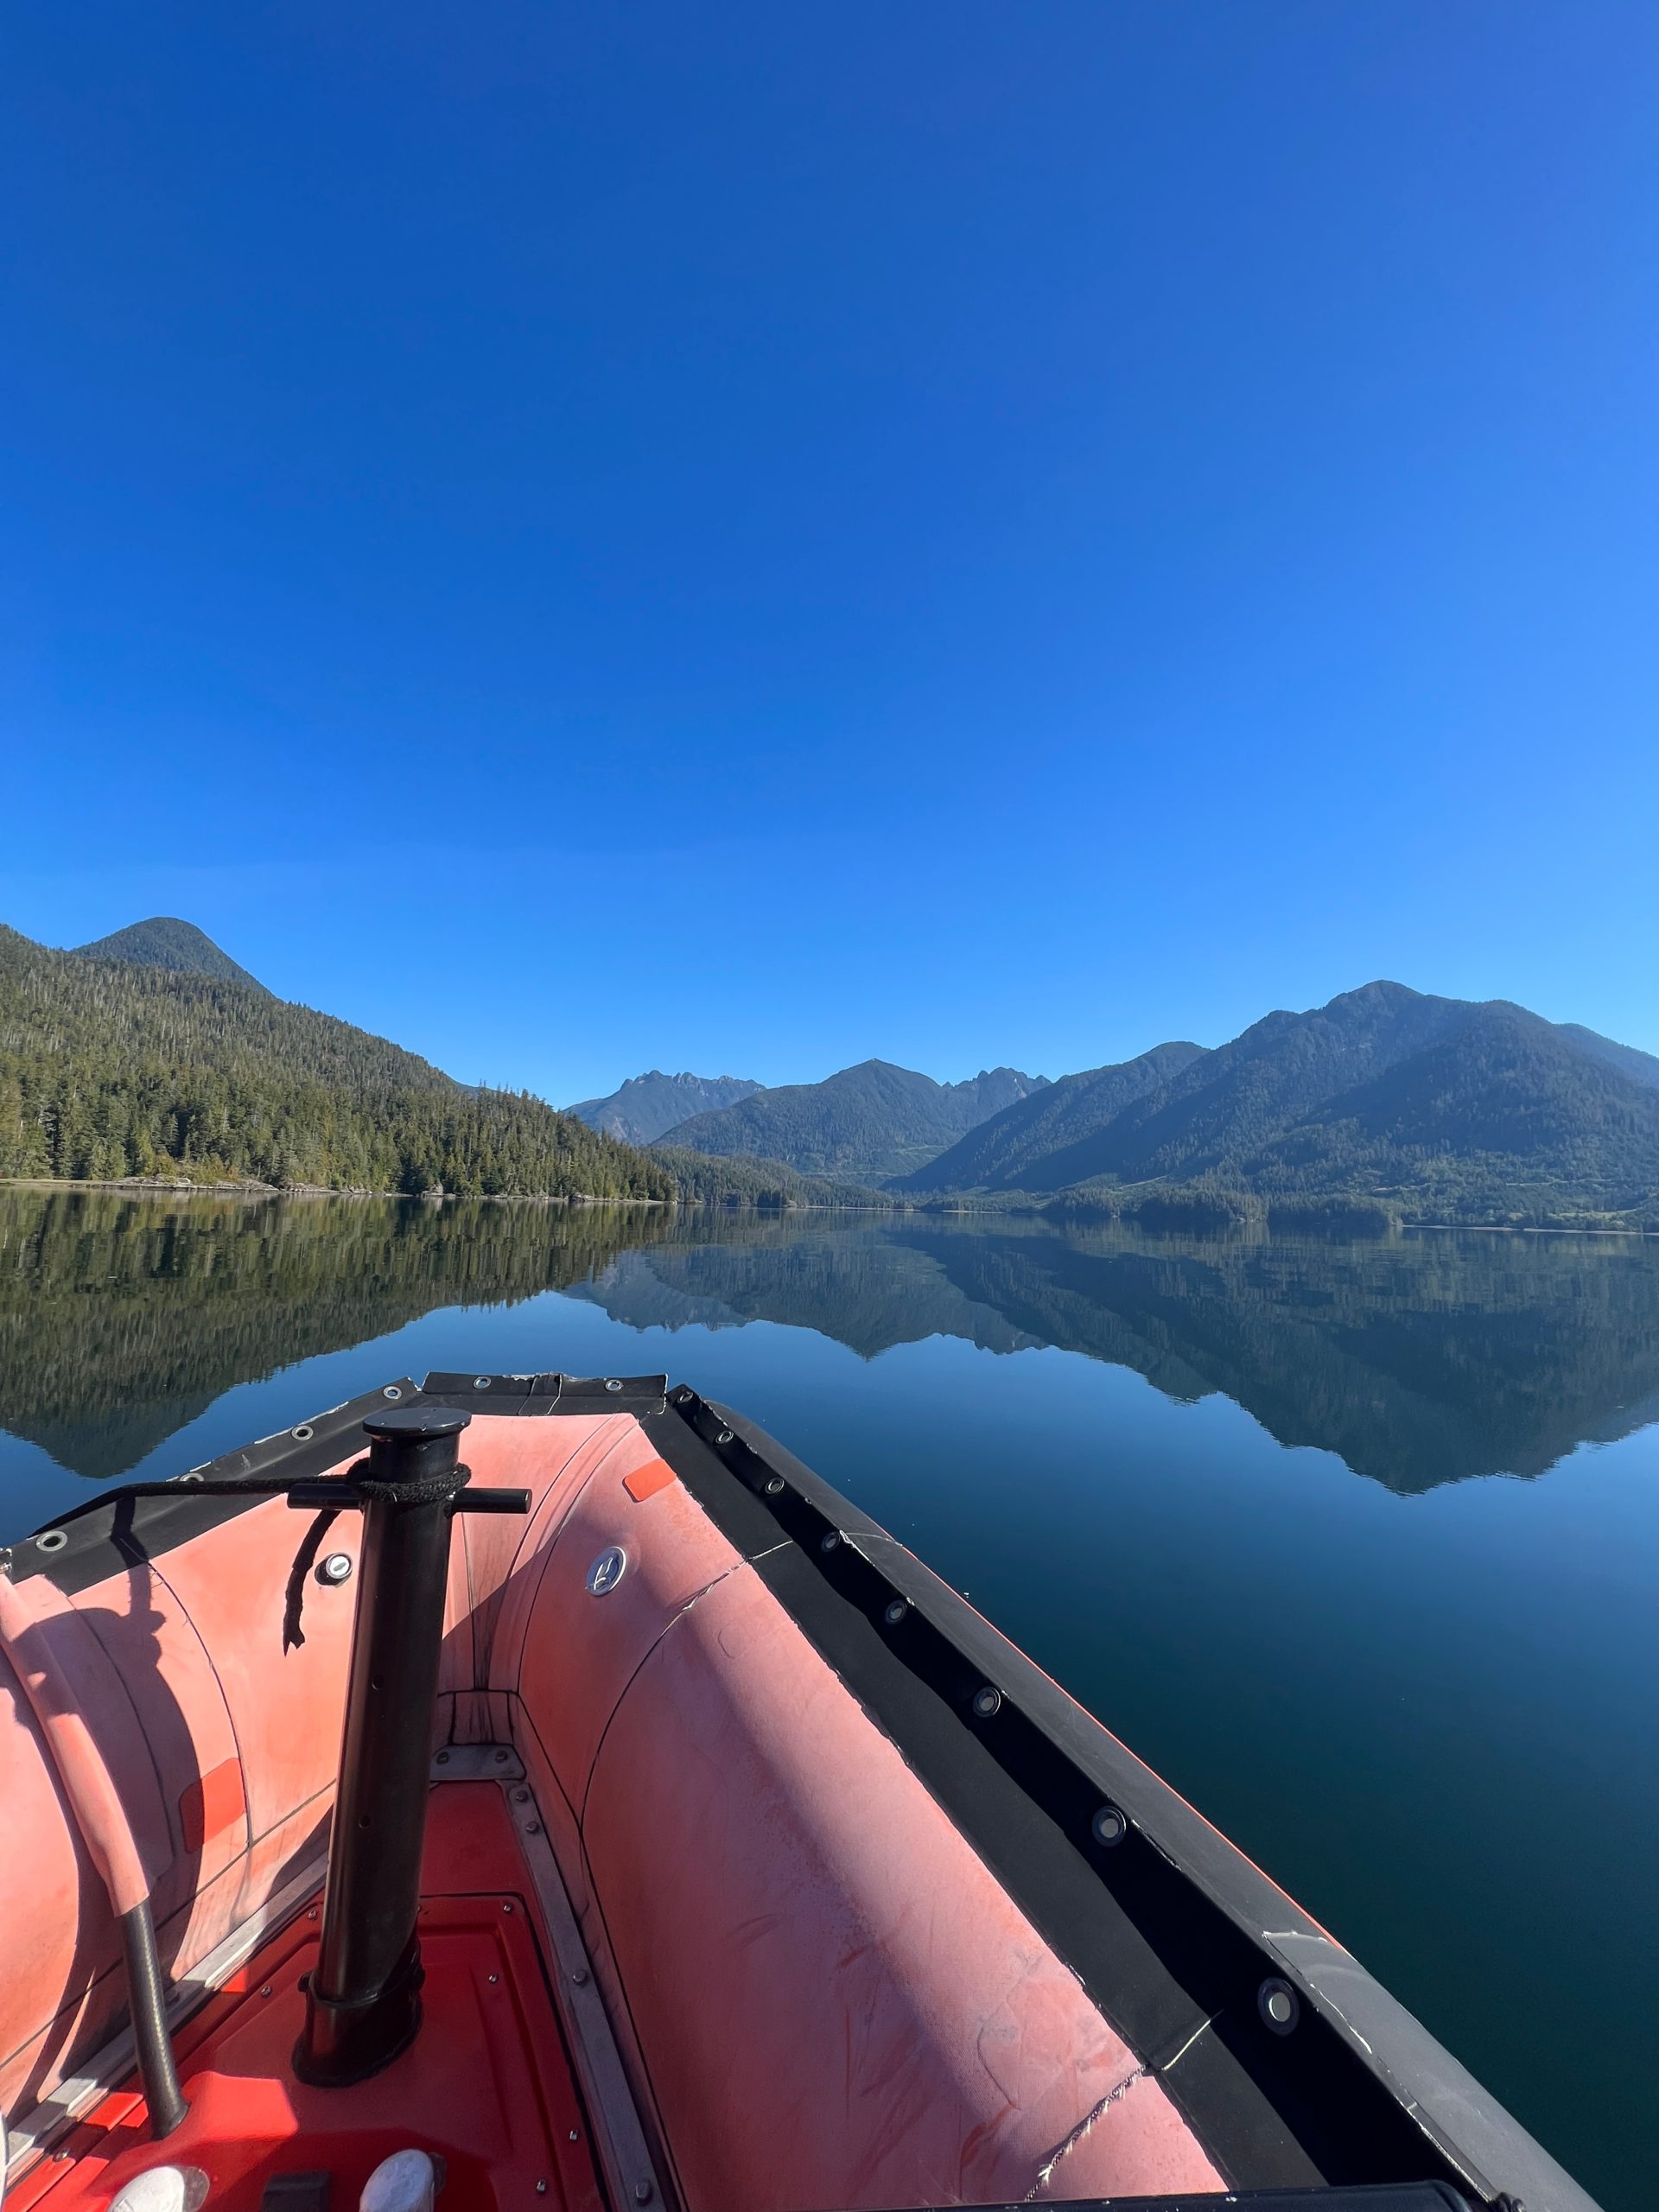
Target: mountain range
{"points": [[649, 1106], [1444, 1109], [867, 1123], [152, 1053], [1384, 1091]]}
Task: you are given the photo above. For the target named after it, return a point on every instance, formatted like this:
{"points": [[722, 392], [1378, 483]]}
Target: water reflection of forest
{"points": [[1418, 1359], [121, 1319]]}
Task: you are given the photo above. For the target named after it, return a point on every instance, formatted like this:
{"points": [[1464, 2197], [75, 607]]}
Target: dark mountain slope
{"points": [[1643, 1066], [649, 1106], [866, 1123], [1385, 1087], [1472, 1112], [165, 941], [1037, 1134], [1223, 1111]]}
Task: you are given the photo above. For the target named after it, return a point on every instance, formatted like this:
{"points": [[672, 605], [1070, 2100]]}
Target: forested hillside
{"points": [[742, 1181], [865, 1123], [108, 1069]]}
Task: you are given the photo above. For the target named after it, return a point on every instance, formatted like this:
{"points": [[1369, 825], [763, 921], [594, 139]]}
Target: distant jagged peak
{"points": [[647, 1106], [178, 946]]}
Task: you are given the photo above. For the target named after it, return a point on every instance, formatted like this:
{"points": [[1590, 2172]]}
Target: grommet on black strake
{"points": [[1278, 2005], [1109, 1826], [987, 1702]]}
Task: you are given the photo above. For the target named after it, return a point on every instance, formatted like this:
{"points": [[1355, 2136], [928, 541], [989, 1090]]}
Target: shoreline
{"points": [[155, 1187], [137, 1186]]}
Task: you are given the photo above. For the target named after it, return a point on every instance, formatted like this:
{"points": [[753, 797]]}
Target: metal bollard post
{"points": [[362, 2004]]}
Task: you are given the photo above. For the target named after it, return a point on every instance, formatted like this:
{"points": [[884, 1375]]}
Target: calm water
{"points": [[1354, 1542]]}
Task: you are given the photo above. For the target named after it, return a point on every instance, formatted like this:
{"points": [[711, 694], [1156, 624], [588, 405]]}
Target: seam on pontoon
{"points": [[678, 1614], [185, 1614], [1046, 2170]]}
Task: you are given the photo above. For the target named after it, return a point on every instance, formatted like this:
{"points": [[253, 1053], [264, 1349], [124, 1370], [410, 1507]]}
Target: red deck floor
{"points": [[486, 2084]]}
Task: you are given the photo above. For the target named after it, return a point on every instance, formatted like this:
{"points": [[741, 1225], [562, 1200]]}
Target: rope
{"points": [[425, 1490]]}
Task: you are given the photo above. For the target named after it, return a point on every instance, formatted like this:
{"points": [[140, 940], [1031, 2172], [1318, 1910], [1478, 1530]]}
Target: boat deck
{"points": [[488, 2085]]}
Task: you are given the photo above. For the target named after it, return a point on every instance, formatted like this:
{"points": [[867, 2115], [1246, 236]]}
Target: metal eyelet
{"points": [[606, 1571], [303, 1433], [612, 1382], [480, 1381], [391, 1391], [987, 1702], [1278, 2005], [894, 1611], [53, 1540], [1109, 1826]]}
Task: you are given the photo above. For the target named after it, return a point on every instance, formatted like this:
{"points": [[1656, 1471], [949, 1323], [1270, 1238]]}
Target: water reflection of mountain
{"points": [[867, 1290], [1418, 1360], [121, 1319]]}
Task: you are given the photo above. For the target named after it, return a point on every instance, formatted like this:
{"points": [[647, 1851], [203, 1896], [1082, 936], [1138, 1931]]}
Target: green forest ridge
{"points": [[112, 1069]]}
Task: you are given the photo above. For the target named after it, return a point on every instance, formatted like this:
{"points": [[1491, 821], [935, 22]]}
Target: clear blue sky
{"points": [[588, 537]]}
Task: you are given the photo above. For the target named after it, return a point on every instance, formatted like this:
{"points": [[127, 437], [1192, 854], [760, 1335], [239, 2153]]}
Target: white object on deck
{"points": [[163, 2189], [406, 2182]]}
